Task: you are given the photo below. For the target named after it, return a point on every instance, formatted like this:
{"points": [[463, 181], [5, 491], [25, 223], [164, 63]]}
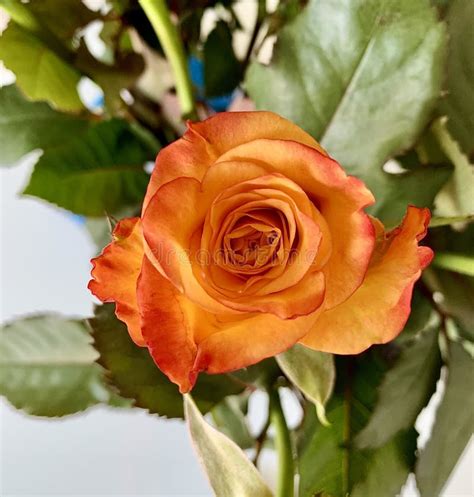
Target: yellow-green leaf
{"points": [[230, 472], [40, 72], [312, 372]]}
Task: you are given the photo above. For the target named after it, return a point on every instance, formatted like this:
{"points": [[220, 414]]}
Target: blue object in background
{"points": [[77, 218], [196, 71]]}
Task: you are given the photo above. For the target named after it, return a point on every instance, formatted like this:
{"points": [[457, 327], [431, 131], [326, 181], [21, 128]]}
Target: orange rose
{"points": [[252, 239]]}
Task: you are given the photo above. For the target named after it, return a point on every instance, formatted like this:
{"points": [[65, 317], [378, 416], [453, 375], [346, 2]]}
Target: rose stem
{"points": [[260, 441], [159, 16], [286, 471]]}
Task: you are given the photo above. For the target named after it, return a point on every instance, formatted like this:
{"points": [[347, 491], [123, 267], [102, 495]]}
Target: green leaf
{"points": [[457, 196], [26, 125], [40, 72], [389, 468], [458, 104], [64, 20], [453, 427], [330, 462], [349, 75], [351, 84], [133, 373], [393, 192], [454, 262], [229, 418], [421, 316], [312, 372], [47, 366], [228, 469], [455, 291], [100, 171], [221, 68], [404, 391]]}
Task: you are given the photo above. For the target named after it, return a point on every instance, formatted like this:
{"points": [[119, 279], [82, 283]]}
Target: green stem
{"points": [[286, 470], [159, 16]]}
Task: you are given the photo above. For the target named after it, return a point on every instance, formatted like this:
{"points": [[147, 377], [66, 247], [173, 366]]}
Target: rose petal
{"points": [[169, 324], [175, 212], [115, 273], [178, 210], [378, 310], [340, 199], [173, 216], [204, 141], [249, 340], [277, 193], [184, 339]]}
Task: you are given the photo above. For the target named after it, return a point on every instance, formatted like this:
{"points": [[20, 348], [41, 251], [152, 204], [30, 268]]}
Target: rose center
{"points": [[251, 243]]}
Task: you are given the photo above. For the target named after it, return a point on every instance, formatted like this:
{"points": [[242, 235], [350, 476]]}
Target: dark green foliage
{"points": [[131, 370], [97, 173], [331, 462], [222, 70]]}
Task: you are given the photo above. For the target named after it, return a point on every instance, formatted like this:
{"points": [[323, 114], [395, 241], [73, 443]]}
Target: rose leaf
{"points": [[26, 125], [456, 411], [229, 470], [312, 372], [458, 104], [405, 389], [48, 366], [39, 71], [229, 416], [330, 462], [457, 196], [98, 172]]}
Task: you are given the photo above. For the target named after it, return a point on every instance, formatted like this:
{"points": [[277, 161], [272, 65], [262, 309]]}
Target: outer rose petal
{"points": [[184, 339], [204, 142], [169, 323], [115, 273], [249, 340], [379, 309]]}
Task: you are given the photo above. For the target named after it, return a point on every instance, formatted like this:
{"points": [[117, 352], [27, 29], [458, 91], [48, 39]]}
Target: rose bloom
{"points": [[252, 239]]}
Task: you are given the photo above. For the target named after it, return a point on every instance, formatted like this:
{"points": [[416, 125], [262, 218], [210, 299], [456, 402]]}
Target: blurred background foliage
{"points": [[386, 86]]}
